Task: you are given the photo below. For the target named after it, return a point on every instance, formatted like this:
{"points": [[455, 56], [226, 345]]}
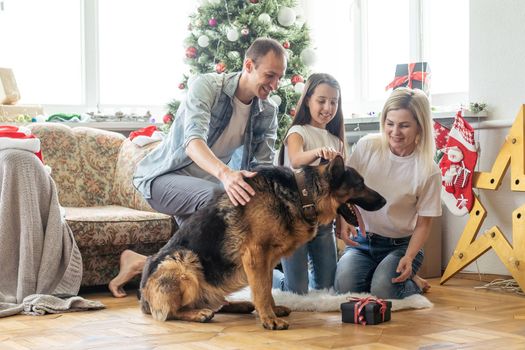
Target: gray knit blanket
{"points": [[38, 253]]}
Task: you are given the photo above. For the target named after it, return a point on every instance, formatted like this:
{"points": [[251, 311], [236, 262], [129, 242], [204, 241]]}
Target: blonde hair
{"points": [[415, 101]]}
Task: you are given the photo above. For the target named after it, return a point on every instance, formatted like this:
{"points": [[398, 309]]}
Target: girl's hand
{"points": [[328, 153], [404, 268]]}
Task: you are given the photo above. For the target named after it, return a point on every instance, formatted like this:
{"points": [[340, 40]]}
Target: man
{"points": [[221, 113]]}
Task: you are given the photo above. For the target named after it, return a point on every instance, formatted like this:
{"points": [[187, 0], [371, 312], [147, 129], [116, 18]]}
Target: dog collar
{"points": [[307, 202]]}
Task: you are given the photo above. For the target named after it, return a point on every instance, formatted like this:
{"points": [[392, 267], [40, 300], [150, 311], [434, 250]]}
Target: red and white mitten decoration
{"points": [[145, 136], [15, 137], [457, 167]]}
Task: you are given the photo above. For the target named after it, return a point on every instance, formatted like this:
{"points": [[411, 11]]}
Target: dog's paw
{"points": [[281, 311], [275, 323], [204, 315], [160, 314]]}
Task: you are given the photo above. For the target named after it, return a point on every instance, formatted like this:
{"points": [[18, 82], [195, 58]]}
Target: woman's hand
{"points": [[404, 268], [328, 153], [345, 231]]}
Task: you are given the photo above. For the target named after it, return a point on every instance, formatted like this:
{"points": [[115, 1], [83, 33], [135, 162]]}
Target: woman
{"points": [[397, 163]]}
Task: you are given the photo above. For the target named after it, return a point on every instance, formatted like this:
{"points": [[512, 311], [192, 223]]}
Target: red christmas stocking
{"points": [[457, 167], [440, 138]]}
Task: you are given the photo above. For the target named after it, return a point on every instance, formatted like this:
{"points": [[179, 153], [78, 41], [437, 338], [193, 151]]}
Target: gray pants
{"points": [[181, 195]]}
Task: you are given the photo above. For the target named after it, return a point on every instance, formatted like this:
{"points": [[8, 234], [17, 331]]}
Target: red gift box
{"points": [[412, 75]]}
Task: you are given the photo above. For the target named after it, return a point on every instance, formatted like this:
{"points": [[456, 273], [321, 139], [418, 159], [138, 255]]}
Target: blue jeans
{"points": [[311, 265], [370, 267]]}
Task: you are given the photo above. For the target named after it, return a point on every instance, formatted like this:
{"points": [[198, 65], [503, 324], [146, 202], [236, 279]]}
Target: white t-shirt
{"points": [[231, 138], [312, 138], [395, 178]]}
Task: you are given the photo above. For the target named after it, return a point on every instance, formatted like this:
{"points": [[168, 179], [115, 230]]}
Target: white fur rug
{"points": [[327, 300]]}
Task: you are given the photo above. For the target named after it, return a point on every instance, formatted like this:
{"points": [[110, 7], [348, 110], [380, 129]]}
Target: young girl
{"points": [[317, 132]]}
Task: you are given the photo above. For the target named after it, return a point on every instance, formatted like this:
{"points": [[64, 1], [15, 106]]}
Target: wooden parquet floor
{"points": [[462, 318]]}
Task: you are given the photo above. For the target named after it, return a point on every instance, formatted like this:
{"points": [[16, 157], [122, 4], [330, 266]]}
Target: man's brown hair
{"points": [[261, 46]]}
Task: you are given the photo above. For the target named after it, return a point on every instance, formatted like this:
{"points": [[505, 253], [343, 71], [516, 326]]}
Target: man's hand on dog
{"points": [[345, 231], [404, 268], [237, 189]]}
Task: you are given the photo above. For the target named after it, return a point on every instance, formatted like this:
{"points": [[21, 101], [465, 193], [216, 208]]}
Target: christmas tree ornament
{"points": [[457, 167], [234, 55], [245, 31], [308, 56], [198, 23], [168, 118], [298, 88], [277, 100], [286, 44], [296, 78], [292, 112], [203, 41], [191, 52], [220, 67], [212, 22], [182, 86], [299, 15], [265, 18], [202, 59], [286, 16], [254, 1], [232, 34]]}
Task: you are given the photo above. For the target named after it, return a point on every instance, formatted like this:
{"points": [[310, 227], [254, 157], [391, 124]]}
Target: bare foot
{"points": [[421, 283], [131, 264]]}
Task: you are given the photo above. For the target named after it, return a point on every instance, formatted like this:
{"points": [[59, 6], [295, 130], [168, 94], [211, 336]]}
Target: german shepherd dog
{"points": [[222, 248]]}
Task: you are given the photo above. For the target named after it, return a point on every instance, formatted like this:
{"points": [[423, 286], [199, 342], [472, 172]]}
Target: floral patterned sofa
{"points": [[93, 170]]}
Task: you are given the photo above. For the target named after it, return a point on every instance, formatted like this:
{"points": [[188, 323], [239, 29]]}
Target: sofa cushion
{"points": [[123, 192], [110, 229], [60, 151], [99, 151]]}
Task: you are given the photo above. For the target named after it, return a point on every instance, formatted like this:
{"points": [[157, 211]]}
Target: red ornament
{"points": [[182, 86], [168, 118], [254, 1], [296, 78], [220, 67], [212, 22], [286, 44], [191, 52], [292, 112]]}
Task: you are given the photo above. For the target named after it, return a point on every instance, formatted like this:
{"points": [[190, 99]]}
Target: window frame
{"points": [[418, 44]]}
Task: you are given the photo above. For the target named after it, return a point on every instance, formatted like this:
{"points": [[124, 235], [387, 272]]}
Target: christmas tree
{"points": [[222, 30]]}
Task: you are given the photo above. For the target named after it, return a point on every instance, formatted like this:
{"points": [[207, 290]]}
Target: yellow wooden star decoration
{"points": [[469, 248]]}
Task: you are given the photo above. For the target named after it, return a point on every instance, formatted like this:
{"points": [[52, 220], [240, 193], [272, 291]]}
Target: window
{"points": [[108, 54], [141, 50], [45, 58], [366, 39]]}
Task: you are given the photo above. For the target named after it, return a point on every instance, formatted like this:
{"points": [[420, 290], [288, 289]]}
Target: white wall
{"points": [[497, 77], [497, 55]]}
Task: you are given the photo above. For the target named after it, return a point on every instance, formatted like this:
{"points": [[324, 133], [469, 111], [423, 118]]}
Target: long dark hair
{"points": [[302, 116]]}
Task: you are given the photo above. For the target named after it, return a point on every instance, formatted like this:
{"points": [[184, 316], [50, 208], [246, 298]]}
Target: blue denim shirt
{"points": [[205, 114]]}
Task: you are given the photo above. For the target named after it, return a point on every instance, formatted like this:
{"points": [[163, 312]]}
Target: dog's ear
{"points": [[336, 169]]}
